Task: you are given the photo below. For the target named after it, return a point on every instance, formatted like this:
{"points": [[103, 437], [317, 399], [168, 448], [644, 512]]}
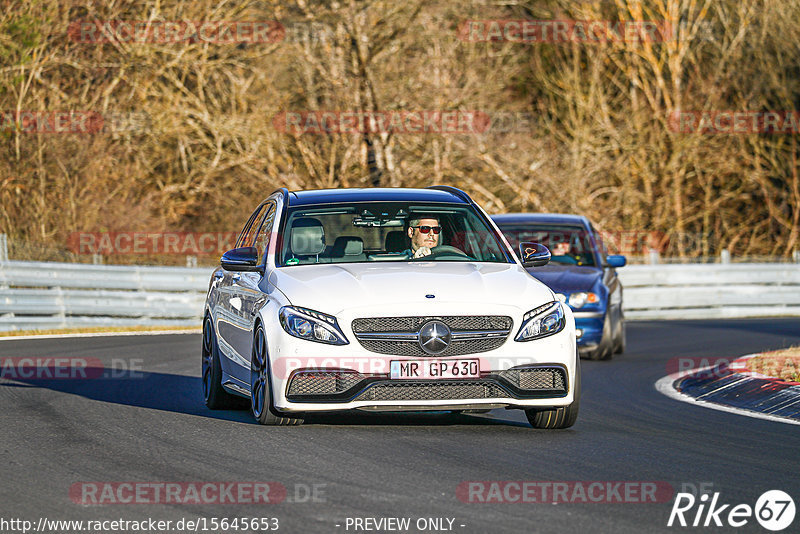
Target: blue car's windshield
{"points": [[387, 231], [571, 245]]}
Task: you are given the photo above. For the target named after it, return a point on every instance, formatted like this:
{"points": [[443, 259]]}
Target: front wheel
{"points": [[605, 349], [260, 390], [562, 417], [622, 339]]}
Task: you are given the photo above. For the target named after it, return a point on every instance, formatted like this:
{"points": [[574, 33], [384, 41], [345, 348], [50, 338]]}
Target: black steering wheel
{"points": [[445, 250]]}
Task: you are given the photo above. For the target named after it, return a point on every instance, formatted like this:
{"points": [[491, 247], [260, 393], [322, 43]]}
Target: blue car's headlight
{"points": [[542, 322], [311, 325], [582, 298]]}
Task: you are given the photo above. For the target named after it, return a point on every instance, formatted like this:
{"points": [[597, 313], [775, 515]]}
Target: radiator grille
{"points": [[413, 324], [498, 326]]}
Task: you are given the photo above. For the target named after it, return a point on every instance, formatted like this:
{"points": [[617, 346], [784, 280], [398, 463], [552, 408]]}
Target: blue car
{"points": [[579, 272]]}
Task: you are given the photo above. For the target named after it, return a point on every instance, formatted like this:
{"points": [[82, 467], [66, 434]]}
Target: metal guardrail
{"points": [[710, 291], [36, 295]]}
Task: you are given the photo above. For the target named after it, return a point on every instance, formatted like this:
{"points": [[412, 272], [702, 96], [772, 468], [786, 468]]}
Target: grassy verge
{"points": [[94, 330], [783, 364]]}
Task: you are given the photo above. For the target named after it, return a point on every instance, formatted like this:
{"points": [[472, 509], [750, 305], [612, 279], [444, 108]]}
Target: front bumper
{"points": [[523, 383], [589, 327], [364, 381]]}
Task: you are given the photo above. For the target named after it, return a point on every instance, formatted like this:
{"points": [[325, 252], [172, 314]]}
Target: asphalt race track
{"points": [[150, 425]]}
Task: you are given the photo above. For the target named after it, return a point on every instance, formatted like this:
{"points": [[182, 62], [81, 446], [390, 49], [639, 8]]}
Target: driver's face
{"points": [[418, 239], [561, 249]]}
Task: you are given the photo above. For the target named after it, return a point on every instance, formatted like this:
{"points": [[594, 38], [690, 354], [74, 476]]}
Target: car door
{"points": [[229, 306], [247, 295]]}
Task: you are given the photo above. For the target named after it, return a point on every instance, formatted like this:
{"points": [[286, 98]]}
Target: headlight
{"points": [[311, 325], [542, 322], [580, 299]]}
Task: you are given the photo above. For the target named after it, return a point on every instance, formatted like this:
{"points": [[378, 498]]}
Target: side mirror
{"points": [[241, 259], [616, 261], [533, 254]]}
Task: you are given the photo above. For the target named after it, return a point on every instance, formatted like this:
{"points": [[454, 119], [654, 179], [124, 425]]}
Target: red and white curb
{"points": [[665, 386]]}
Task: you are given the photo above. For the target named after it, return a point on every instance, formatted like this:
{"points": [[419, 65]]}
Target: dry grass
{"points": [[783, 364], [599, 142]]}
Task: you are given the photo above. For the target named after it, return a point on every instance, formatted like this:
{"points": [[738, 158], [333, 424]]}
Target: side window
{"points": [[246, 237], [265, 232]]}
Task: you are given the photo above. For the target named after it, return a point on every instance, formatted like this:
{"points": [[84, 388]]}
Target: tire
{"points": [[260, 390], [562, 417], [605, 349], [214, 395], [622, 339]]}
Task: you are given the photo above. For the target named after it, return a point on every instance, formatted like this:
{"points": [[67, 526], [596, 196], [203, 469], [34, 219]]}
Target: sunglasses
{"points": [[425, 229]]}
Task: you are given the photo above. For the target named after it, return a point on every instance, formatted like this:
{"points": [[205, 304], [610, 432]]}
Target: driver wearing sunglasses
{"points": [[424, 234]]}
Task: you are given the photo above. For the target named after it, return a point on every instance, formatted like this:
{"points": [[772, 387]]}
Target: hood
{"points": [[331, 288], [567, 278]]}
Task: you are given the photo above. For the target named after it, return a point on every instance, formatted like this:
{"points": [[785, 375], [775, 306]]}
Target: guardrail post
{"points": [[725, 256], [797, 256], [191, 261], [97, 259], [3, 247], [654, 258]]}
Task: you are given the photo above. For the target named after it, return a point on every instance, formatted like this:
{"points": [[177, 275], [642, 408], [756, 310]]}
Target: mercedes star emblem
{"points": [[434, 337]]}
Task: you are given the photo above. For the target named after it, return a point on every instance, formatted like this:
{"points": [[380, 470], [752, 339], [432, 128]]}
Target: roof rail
{"points": [[452, 190]]}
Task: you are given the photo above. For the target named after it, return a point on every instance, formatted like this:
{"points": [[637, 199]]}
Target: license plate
{"points": [[433, 369]]}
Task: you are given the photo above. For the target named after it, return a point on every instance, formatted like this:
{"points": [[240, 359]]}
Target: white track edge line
{"points": [[664, 386]]}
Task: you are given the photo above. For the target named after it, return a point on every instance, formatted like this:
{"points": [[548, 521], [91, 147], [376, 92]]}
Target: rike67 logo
{"points": [[774, 511]]}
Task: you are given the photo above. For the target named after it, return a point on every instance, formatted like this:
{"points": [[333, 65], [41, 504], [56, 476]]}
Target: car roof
{"points": [[375, 194], [547, 218]]}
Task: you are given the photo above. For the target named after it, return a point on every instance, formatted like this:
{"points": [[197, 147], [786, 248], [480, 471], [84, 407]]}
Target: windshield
{"points": [[387, 231], [570, 245]]}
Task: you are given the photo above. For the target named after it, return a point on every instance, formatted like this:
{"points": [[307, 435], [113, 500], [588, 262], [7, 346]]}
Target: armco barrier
{"points": [[62, 295], [67, 295], [711, 291]]}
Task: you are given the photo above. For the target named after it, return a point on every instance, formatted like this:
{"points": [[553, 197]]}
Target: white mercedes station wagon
{"points": [[385, 300]]}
